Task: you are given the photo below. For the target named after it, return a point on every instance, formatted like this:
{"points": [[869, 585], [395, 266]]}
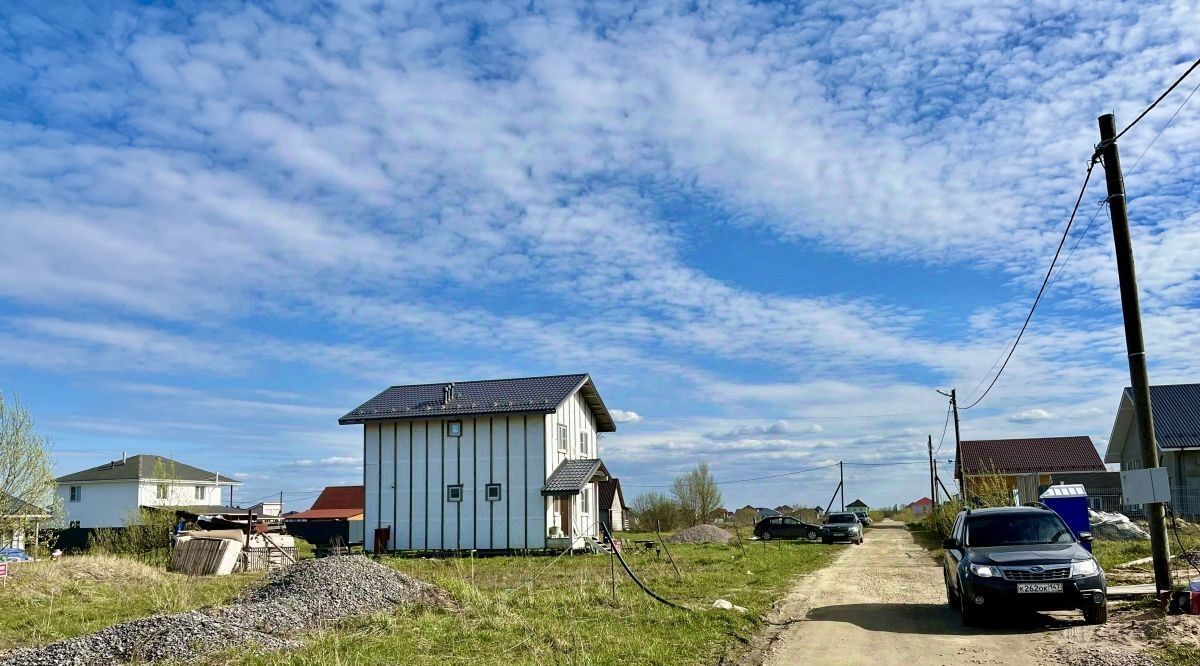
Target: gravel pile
{"points": [[701, 534], [309, 595]]}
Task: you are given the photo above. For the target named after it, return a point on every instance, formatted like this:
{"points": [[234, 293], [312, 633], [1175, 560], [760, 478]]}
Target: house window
{"points": [[199, 492], [492, 492], [454, 428], [562, 438], [162, 491], [454, 493], [583, 444], [585, 504], [74, 524], [76, 493]]}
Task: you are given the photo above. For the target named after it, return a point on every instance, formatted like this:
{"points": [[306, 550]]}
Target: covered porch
{"points": [[572, 511]]}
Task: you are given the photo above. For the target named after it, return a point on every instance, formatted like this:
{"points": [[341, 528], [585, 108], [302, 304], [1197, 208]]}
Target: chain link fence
{"points": [[1185, 502]]}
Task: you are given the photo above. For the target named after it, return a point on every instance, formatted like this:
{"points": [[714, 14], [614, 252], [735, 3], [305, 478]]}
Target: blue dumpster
{"points": [[1070, 501]]}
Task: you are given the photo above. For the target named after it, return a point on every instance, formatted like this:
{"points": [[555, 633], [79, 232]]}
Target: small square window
{"points": [[162, 491], [454, 428], [492, 492], [454, 493], [76, 493], [199, 492]]}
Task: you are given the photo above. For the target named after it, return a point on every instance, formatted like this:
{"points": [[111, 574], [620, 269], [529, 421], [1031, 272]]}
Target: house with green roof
{"points": [[105, 495]]}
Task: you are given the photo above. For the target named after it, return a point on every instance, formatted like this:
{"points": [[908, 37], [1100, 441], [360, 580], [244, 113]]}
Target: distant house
{"points": [[502, 464], [785, 510], [858, 505], [20, 522], [1175, 409], [761, 512], [921, 507], [1025, 464], [336, 516], [105, 495], [613, 511]]}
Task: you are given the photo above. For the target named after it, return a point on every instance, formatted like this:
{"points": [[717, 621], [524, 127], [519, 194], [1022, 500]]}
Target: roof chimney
{"points": [[448, 393]]}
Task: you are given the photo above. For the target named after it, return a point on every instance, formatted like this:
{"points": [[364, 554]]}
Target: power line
{"points": [[792, 417], [1128, 173], [1160, 98], [1162, 129], [944, 427], [799, 471], [1042, 289]]}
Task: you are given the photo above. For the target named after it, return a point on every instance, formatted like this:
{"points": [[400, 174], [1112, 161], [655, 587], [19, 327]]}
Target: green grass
{"points": [[1112, 553], [534, 610], [48, 600], [1176, 655]]}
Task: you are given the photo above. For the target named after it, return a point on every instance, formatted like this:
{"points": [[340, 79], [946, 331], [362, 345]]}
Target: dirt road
{"points": [[884, 603]]}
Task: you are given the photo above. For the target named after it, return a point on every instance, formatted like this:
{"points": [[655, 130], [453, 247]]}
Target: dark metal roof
{"points": [[144, 466], [611, 490], [859, 503], [1031, 455], [489, 396], [572, 475], [1176, 410]]}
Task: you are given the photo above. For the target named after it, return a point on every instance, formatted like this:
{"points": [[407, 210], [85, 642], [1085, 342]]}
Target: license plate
{"points": [[1039, 588]]}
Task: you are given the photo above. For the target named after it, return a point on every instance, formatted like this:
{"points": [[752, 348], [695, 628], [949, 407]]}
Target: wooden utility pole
{"points": [[932, 482], [958, 462], [842, 483], [1132, 311]]}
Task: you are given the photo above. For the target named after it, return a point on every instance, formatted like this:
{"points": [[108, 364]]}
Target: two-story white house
{"points": [[105, 495], [503, 464]]}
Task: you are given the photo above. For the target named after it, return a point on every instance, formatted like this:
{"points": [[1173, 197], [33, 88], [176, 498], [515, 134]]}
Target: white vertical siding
{"points": [[417, 461], [387, 481], [533, 509], [575, 414], [404, 470], [420, 534], [371, 483]]}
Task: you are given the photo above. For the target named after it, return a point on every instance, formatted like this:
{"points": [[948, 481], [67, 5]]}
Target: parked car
{"points": [[785, 527], [842, 526], [14, 555], [863, 518], [1021, 557]]}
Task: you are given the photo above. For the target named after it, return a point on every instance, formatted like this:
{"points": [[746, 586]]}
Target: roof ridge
{"points": [[495, 379]]}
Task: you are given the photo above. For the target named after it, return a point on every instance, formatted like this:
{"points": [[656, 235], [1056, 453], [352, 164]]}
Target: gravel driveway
{"points": [[884, 603]]}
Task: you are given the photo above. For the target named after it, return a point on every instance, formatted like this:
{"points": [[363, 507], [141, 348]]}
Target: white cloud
{"points": [[1031, 416], [624, 416]]}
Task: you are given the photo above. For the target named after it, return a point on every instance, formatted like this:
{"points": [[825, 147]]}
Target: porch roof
{"points": [[572, 475]]}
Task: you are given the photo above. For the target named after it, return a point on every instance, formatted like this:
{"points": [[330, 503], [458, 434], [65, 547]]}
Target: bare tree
{"points": [[27, 483], [698, 495], [654, 511]]}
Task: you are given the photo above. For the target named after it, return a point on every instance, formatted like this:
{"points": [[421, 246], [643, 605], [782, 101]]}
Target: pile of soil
{"points": [[309, 595], [701, 534], [1128, 638]]}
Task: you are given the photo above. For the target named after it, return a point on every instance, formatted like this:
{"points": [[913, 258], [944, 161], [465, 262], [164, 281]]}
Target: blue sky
{"points": [[768, 231]]}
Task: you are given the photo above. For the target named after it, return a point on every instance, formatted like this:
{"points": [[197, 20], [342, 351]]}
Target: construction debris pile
{"points": [[310, 595], [701, 534], [1115, 527]]}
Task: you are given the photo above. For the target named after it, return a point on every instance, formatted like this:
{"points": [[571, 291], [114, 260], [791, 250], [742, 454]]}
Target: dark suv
{"points": [[1021, 557]]}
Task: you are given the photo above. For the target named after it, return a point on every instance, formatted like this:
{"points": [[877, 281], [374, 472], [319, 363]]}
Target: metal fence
{"points": [[1185, 503]]}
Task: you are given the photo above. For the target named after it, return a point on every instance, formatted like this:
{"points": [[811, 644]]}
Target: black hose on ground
{"points": [[612, 544]]}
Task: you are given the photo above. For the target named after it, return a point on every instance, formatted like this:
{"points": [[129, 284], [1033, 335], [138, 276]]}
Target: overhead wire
{"points": [[945, 426], [1041, 291], [1160, 98], [794, 473]]}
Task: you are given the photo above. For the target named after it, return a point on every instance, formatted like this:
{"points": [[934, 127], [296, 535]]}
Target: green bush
{"points": [[988, 490], [146, 534]]}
